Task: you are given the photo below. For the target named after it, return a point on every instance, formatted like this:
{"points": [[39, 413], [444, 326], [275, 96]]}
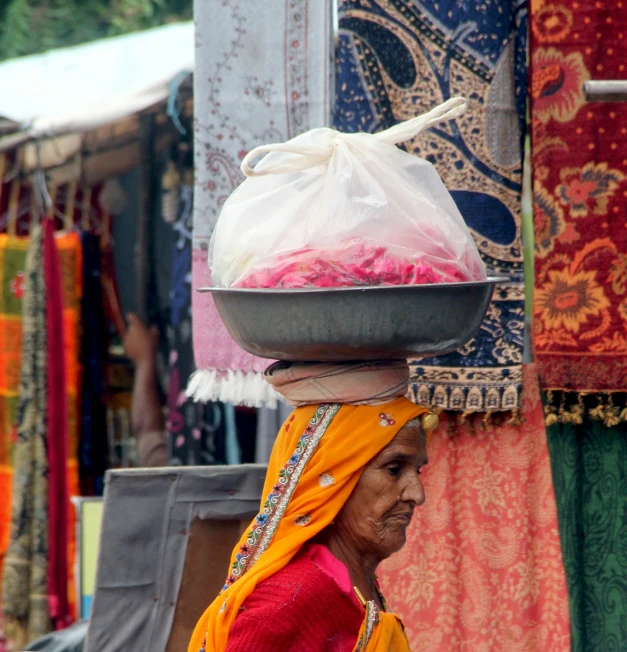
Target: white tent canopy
{"points": [[80, 88]]}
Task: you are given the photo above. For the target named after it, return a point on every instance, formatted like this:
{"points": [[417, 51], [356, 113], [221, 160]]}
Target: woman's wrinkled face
{"points": [[377, 513]]}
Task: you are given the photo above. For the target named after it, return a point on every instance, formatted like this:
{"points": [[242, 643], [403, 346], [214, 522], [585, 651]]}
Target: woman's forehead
{"points": [[410, 440]]}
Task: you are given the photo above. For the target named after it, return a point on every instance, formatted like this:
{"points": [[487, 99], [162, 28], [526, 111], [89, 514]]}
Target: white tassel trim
{"points": [[237, 387]]}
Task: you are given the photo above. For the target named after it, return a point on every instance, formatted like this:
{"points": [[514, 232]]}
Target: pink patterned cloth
{"points": [[482, 568], [214, 348], [261, 77]]}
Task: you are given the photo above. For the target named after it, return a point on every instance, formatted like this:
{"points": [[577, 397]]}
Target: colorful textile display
{"points": [[12, 281], [25, 572], [262, 75], [589, 462], [399, 58], [198, 431], [71, 267], [482, 566], [579, 190]]}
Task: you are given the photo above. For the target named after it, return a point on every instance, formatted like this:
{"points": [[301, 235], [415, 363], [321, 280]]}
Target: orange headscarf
{"points": [[316, 462]]}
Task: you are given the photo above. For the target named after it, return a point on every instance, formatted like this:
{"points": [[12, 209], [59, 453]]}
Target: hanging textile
{"points": [[482, 566], [197, 430], [399, 58], [579, 189], [71, 268], [57, 427], [589, 462], [12, 281], [269, 423], [25, 572], [262, 75], [93, 449]]}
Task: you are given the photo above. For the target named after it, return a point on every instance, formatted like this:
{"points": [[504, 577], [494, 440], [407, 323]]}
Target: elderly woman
{"points": [[342, 485]]}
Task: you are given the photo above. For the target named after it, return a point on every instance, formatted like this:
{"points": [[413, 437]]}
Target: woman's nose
{"points": [[414, 490]]}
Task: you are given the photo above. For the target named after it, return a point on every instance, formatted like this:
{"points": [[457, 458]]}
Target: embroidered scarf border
{"points": [[268, 519]]}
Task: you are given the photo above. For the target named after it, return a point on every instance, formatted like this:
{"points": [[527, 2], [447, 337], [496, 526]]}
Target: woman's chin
{"points": [[395, 544]]}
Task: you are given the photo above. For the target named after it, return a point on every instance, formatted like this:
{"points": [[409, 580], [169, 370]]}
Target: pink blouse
{"points": [[330, 565]]}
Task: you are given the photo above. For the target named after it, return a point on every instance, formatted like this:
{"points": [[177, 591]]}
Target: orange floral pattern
{"points": [[549, 220], [552, 23], [567, 301], [557, 84], [482, 567], [580, 186]]}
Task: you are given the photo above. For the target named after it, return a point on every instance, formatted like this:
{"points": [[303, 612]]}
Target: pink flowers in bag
{"points": [[354, 265], [328, 209]]}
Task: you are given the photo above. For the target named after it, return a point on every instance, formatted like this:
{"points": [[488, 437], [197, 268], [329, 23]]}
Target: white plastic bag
{"points": [[329, 209]]}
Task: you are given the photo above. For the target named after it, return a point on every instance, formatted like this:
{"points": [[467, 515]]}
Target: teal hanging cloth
{"points": [[589, 463]]}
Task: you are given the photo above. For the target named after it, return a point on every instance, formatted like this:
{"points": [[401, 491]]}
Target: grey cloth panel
{"points": [[146, 520], [71, 639]]}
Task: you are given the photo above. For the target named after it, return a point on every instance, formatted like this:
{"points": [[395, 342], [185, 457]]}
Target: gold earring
{"points": [[429, 421]]}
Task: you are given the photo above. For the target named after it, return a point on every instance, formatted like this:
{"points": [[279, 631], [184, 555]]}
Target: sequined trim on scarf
{"points": [[372, 619], [269, 517]]}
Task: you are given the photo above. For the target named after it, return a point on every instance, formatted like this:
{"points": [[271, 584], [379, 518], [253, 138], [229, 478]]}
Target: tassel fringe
{"points": [[572, 407], [237, 387], [486, 419]]}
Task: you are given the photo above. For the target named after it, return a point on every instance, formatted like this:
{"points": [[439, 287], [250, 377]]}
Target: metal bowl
{"points": [[354, 323]]}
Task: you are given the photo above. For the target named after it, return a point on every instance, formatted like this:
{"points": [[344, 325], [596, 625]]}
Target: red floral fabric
{"points": [[579, 189], [482, 567]]}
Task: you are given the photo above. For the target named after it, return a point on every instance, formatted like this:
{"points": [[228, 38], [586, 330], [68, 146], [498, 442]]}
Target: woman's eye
{"points": [[394, 469]]}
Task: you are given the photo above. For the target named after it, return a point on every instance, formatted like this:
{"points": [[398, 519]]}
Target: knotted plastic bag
{"points": [[328, 209]]}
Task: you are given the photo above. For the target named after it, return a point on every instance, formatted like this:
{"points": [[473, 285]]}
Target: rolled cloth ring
{"points": [[429, 421]]}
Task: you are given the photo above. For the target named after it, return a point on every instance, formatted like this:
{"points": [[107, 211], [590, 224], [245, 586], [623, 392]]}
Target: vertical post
{"points": [[146, 210]]}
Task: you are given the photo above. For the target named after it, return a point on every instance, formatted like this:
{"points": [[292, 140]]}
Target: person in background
{"points": [[141, 344]]}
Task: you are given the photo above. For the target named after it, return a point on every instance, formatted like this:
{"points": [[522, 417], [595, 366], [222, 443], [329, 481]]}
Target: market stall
{"points": [[85, 118]]}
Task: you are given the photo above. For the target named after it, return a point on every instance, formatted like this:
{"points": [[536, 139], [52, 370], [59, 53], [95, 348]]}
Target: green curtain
{"points": [[589, 464]]}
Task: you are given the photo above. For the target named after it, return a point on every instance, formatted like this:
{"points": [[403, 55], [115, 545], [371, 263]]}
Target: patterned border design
{"points": [[372, 619], [471, 389], [398, 57], [296, 67], [268, 519]]}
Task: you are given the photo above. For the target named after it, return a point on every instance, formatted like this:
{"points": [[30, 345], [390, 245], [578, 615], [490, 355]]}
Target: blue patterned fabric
{"points": [[199, 432], [399, 58]]}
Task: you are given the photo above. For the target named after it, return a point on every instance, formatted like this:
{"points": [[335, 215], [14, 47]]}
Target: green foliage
{"points": [[31, 26]]}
